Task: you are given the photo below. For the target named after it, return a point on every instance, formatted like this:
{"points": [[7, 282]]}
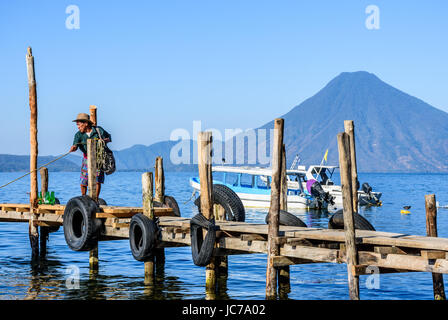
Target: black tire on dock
{"points": [[102, 202], [229, 200], [142, 237], [233, 197], [202, 249], [170, 202], [288, 219], [157, 204], [81, 228], [337, 221]]}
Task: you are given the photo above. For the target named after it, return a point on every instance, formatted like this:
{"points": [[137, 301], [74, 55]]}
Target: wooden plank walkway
{"points": [[392, 252], [58, 209]]}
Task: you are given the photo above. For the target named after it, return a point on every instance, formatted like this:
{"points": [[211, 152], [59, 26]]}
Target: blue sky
{"points": [[154, 66]]}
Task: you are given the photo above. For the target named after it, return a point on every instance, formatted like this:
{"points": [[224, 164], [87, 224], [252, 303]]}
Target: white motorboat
{"points": [[323, 174], [252, 185]]}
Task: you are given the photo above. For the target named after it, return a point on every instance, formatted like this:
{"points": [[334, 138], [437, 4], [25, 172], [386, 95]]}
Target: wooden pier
{"points": [[394, 251], [390, 252], [360, 250]]}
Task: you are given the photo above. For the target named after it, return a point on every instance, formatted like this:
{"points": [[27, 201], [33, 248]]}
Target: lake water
{"points": [[121, 277]]}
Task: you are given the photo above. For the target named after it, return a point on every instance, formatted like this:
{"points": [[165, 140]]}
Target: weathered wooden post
{"points": [[148, 210], [206, 180], [43, 230], [43, 181], [349, 226], [350, 130], [159, 197], [159, 181], [222, 262], [431, 231], [93, 114], [92, 184], [33, 231], [273, 227], [91, 174], [284, 272], [91, 168]]}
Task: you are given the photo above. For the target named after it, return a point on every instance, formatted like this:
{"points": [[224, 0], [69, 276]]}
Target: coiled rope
{"points": [[100, 154]]}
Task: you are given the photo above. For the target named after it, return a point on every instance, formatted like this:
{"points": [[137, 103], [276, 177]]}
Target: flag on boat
{"points": [[325, 156]]}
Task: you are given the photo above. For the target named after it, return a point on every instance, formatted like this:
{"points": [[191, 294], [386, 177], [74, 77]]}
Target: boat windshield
{"points": [[323, 175], [296, 177], [263, 182], [244, 180], [295, 180], [247, 180], [231, 178]]}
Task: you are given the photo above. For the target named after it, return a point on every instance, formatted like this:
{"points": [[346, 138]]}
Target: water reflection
{"points": [[43, 278]]}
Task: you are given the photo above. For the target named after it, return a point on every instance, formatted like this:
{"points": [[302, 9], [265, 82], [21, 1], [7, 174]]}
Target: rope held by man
{"points": [[100, 157], [35, 169]]}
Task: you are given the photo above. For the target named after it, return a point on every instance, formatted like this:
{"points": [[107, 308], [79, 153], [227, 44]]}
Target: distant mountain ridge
{"points": [[395, 132]]}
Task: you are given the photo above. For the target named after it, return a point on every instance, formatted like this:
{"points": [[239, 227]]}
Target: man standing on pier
{"points": [[88, 131]]}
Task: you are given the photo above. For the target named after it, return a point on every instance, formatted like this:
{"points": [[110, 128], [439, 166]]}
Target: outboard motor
{"points": [[366, 188], [371, 196], [316, 190]]}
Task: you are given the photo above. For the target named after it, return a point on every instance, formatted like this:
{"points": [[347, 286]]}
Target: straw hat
{"points": [[83, 117]]}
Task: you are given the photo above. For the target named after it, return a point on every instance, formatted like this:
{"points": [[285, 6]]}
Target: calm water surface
{"points": [[121, 277]]}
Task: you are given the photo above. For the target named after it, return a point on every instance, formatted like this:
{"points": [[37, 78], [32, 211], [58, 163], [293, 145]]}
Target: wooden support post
{"points": [[222, 262], [347, 202], [431, 231], [350, 130], [160, 197], [93, 259], [159, 181], [223, 266], [33, 231], [93, 114], [43, 230], [283, 182], [148, 210], [91, 168], [273, 228], [284, 284], [205, 176], [91, 175], [147, 195], [43, 181]]}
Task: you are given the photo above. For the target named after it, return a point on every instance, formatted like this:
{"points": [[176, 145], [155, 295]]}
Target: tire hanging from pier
{"points": [[169, 202], [202, 249], [143, 234], [229, 200], [102, 202], [337, 221], [81, 227], [288, 219]]}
